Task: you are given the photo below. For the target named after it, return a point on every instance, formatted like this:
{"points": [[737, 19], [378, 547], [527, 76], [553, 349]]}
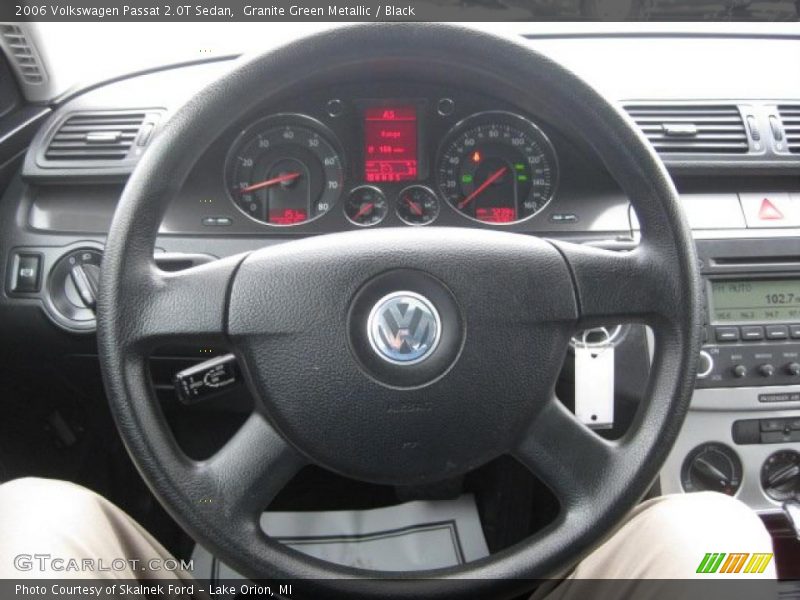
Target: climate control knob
{"points": [[780, 475], [712, 467]]}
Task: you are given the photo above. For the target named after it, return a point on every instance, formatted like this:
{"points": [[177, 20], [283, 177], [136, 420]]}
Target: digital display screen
{"points": [[288, 205], [390, 143], [761, 300], [287, 216], [496, 214]]}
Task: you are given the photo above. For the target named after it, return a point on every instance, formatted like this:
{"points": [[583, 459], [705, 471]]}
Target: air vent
{"points": [[692, 129], [95, 137], [22, 54], [790, 116]]}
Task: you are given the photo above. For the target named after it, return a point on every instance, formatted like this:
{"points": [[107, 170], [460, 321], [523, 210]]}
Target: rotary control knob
{"points": [[740, 371], [85, 278], [780, 475], [712, 467], [793, 369], [766, 370], [72, 288], [705, 365]]}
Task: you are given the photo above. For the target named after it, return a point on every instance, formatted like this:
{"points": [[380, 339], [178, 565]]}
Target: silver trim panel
{"points": [[711, 418]]}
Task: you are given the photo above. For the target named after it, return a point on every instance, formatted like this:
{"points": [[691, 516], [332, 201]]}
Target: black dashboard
{"points": [[347, 157], [397, 152], [387, 154], [331, 161]]}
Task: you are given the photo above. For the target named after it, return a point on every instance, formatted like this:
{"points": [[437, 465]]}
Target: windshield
{"points": [[73, 56]]}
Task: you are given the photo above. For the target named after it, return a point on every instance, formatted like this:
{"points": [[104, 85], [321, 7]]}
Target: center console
{"points": [[742, 434]]}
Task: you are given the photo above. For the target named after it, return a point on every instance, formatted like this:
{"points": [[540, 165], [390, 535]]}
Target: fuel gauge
{"points": [[417, 205]]}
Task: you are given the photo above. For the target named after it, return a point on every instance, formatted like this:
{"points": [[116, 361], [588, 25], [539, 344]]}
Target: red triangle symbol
{"points": [[769, 212]]}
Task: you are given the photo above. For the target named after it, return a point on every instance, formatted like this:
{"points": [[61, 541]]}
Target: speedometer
{"points": [[285, 170], [497, 168]]}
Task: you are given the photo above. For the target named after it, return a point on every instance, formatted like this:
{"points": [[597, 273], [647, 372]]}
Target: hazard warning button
{"points": [[770, 210]]}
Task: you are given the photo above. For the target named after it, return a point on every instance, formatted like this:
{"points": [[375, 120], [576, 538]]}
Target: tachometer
{"points": [[497, 168], [285, 170]]}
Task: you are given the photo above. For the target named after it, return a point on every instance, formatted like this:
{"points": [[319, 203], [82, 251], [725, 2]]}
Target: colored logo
{"points": [[736, 562], [404, 328]]}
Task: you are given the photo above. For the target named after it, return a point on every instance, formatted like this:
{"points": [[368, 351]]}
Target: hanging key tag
{"points": [[594, 385]]}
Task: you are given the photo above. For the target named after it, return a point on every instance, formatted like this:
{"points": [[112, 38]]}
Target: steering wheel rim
{"points": [[140, 307]]}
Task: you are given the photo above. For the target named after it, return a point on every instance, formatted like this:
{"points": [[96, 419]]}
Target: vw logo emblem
{"points": [[404, 328]]}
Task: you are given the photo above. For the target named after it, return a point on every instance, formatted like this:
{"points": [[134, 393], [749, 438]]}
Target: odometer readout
{"points": [[761, 300]]}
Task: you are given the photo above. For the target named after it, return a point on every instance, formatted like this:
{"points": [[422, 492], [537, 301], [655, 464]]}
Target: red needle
{"points": [[269, 182], [365, 208], [489, 181], [415, 208]]}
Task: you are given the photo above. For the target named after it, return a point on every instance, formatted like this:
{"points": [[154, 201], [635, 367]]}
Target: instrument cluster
{"points": [[412, 154]]}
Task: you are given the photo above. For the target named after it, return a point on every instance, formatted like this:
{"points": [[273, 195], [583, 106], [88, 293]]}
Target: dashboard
{"points": [[492, 166], [377, 154], [385, 154], [408, 153]]}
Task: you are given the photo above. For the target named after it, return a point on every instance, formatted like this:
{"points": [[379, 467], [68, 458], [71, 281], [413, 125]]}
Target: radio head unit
{"points": [[754, 300], [752, 335]]}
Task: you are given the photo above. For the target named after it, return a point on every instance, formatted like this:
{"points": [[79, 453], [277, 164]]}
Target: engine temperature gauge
{"points": [[417, 205], [365, 206]]}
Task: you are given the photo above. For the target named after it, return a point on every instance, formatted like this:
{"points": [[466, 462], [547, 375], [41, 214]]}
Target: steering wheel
{"points": [[301, 318]]}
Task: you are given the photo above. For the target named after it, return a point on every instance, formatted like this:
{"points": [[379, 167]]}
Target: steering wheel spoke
{"points": [[616, 286], [566, 455], [252, 468], [171, 306]]}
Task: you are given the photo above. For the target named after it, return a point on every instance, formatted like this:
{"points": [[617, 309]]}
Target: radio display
{"points": [[761, 300], [390, 143]]}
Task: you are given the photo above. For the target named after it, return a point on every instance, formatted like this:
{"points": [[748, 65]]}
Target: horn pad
{"points": [[403, 356], [405, 328]]}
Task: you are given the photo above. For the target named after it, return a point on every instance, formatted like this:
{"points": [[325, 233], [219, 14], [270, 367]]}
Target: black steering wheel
{"points": [[296, 315]]}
